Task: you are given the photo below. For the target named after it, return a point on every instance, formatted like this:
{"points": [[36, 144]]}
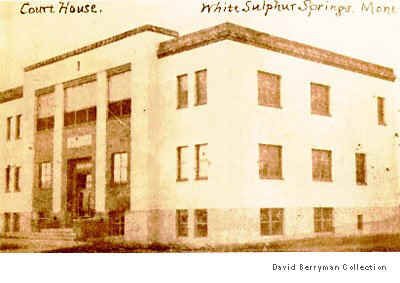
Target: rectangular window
{"points": [[201, 162], [16, 222], [120, 168], [18, 126], [183, 163], [45, 175], [269, 89], [360, 222], [7, 180], [81, 116], [8, 128], [117, 223], [69, 118], [323, 219], [92, 114], [182, 91], [270, 161], [182, 217], [201, 87], [17, 179], [7, 222], [119, 109], [361, 169], [271, 221], [381, 110], [320, 99], [201, 226], [322, 165]]}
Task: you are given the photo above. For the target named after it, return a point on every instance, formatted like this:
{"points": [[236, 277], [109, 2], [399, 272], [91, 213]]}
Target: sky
{"points": [[26, 39]]}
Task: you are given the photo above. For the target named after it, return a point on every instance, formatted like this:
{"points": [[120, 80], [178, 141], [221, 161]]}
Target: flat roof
{"points": [[229, 31], [101, 43]]}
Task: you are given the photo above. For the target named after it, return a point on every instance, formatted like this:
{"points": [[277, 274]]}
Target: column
{"points": [[101, 141], [58, 148]]}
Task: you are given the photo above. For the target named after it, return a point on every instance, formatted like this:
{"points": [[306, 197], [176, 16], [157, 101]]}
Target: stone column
{"points": [[58, 149], [101, 141]]}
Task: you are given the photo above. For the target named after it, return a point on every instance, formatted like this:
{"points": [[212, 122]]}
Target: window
{"points": [[360, 169], [201, 162], [43, 124], [320, 99], [7, 221], [360, 222], [16, 220], [269, 89], [120, 168], [8, 134], [18, 126], [201, 87], [7, 181], [270, 163], [322, 165], [182, 217], [323, 219], [117, 223], [45, 175], [17, 179], [381, 111], [182, 91], [119, 109], [80, 116], [183, 164], [69, 119], [271, 221], [201, 226]]}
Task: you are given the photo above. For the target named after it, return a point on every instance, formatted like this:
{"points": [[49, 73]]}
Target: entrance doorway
{"points": [[81, 193]]}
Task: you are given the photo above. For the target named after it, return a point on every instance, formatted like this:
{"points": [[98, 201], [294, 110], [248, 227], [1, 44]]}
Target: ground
{"points": [[383, 242]]}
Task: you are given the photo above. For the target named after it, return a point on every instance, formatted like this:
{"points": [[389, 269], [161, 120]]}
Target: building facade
{"points": [[225, 135]]}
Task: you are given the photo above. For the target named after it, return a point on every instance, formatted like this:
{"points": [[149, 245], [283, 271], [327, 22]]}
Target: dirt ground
{"points": [[387, 242]]}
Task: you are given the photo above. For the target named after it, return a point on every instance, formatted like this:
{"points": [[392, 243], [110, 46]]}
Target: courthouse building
{"points": [[224, 135]]}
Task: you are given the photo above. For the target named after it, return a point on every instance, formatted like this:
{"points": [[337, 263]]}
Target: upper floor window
{"points": [[45, 112], [17, 179], [120, 168], [119, 108], [360, 222], [201, 162], [271, 221], [270, 161], [80, 116], [323, 219], [201, 223], [18, 126], [381, 110], [201, 87], [8, 128], [269, 89], [45, 123], [320, 99], [45, 175], [322, 165], [182, 91], [182, 218], [361, 169], [7, 178], [183, 163], [7, 222]]}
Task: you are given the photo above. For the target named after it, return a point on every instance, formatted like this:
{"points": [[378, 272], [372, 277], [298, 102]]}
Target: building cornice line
{"points": [[11, 94]]}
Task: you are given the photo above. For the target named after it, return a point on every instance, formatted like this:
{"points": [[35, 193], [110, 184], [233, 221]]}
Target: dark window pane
{"points": [[50, 122], [69, 119], [201, 87], [114, 110], [126, 107], [182, 91], [81, 116], [41, 124], [92, 114]]}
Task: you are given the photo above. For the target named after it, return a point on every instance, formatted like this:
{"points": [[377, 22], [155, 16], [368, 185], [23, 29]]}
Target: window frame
{"points": [[263, 95], [8, 128], [262, 163], [315, 108], [381, 111], [267, 220], [120, 182], [323, 224], [179, 177], [182, 225], [321, 177], [361, 180], [200, 232], [7, 179], [182, 96], [198, 161], [17, 179], [18, 125], [50, 181], [360, 222], [201, 98]]}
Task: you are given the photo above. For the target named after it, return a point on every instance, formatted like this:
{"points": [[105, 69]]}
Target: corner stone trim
{"points": [[229, 31], [11, 94]]}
